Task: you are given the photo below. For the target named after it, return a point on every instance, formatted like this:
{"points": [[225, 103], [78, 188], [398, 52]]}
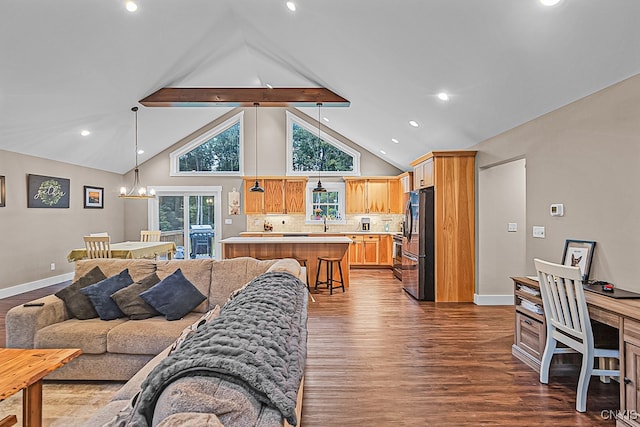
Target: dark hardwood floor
{"points": [[377, 357]]}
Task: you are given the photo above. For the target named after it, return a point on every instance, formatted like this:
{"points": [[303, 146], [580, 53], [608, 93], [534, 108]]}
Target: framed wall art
{"points": [[47, 192], [93, 197], [579, 253], [2, 192]]}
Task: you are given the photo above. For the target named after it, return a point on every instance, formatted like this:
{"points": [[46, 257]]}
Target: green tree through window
{"points": [[309, 156], [220, 153]]}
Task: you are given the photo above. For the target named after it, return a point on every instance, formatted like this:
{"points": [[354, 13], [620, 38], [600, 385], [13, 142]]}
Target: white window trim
{"points": [[175, 155], [330, 186], [153, 207], [291, 119]]}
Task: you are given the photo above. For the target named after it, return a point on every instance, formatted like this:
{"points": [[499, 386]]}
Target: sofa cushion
{"points": [[138, 268], [88, 335], [100, 295], [197, 271], [76, 302], [230, 274], [129, 301], [148, 336], [174, 296]]}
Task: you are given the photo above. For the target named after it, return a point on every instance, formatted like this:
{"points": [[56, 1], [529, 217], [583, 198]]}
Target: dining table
{"points": [[130, 250]]}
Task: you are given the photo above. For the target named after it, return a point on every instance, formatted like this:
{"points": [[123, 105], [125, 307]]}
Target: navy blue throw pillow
{"points": [[175, 296], [100, 295]]}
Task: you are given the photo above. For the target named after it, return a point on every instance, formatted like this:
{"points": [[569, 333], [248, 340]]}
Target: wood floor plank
{"points": [[377, 357]]}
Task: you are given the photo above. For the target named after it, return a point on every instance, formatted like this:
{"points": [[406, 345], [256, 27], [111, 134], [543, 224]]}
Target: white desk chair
{"points": [[98, 246], [568, 322], [150, 235]]}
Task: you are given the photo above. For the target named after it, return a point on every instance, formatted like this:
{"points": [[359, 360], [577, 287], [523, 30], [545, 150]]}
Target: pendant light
{"points": [[319, 188], [138, 191], [256, 186]]}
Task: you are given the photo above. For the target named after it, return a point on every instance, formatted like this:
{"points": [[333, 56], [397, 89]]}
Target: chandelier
{"points": [[138, 191]]}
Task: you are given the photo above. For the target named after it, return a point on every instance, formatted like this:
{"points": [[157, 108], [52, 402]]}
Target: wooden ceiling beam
{"points": [[243, 97]]}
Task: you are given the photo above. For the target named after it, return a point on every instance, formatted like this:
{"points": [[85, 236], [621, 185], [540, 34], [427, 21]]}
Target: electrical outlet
{"points": [[53, 266], [538, 232], [512, 226]]}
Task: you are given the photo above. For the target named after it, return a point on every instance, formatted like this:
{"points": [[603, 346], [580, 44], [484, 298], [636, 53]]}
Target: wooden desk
{"points": [[131, 250], [622, 314], [22, 369]]}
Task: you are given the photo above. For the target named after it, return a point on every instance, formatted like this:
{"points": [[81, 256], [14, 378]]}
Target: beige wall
{"points": [[271, 161], [32, 239], [501, 253], [586, 156]]}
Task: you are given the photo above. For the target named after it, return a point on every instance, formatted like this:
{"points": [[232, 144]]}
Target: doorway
{"points": [[189, 217], [501, 231]]}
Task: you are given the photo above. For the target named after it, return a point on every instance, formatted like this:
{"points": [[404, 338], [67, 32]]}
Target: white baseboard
{"points": [[493, 299], [32, 286]]}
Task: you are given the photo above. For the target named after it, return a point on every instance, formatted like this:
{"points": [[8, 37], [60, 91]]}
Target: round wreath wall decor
{"points": [[50, 192]]}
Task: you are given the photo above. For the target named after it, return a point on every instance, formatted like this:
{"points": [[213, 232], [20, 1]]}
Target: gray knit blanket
{"points": [[259, 341]]}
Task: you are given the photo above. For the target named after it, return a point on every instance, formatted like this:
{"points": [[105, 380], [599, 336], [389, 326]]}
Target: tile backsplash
{"points": [[296, 223]]}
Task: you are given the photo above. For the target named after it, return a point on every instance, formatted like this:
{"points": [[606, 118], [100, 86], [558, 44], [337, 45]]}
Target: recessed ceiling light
{"points": [[413, 123], [85, 133], [395, 140], [269, 86], [325, 119], [549, 2], [442, 96], [140, 151], [131, 6], [292, 6], [383, 152]]}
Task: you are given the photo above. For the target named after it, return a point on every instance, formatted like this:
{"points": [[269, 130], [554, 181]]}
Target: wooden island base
{"points": [[309, 248]]}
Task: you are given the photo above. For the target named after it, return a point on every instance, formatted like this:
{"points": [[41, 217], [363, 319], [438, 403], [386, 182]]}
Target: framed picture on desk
{"points": [[579, 253]]}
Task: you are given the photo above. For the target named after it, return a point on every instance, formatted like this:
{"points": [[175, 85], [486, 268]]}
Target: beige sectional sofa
{"points": [[118, 349]]}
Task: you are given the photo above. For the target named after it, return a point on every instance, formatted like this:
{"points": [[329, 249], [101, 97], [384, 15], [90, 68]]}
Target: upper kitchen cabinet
{"points": [[281, 195], [406, 182], [422, 172], [370, 195]]}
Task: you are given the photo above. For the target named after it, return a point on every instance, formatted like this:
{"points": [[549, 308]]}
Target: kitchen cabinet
{"points": [[281, 196], [373, 195], [371, 250], [423, 173], [406, 182], [385, 249]]}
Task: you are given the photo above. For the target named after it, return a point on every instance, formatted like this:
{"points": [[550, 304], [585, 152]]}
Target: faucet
{"points": [[324, 220]]}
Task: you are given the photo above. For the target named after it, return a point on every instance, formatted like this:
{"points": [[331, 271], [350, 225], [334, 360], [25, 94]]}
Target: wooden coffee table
{"points": [[24, 369]]}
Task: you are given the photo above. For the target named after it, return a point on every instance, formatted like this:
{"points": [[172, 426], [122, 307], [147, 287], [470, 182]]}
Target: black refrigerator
{"points": [[418, 241]]}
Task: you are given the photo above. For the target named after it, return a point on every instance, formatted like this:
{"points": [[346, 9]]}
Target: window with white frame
{"points": [[329, 205], [215, 152], [306, 154]]}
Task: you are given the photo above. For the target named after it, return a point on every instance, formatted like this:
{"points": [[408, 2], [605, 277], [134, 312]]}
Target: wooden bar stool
{"points": [[329, 262]]}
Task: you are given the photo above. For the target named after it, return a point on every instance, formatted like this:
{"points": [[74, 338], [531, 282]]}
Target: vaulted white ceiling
{"points": [[71, 65]]}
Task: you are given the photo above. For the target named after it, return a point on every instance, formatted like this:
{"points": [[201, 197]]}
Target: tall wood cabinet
{"points": [[282, 195], [452, 175]]}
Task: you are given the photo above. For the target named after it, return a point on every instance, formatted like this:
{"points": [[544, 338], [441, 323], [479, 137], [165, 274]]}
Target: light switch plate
{"points": [[538, 232], [228, 221], [513, 226]]}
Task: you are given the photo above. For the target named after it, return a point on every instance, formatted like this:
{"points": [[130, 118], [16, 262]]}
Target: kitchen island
{"points": [[309, 248]]}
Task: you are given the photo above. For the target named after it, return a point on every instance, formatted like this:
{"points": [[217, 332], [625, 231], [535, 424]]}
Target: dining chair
{"points": [[98, 246], [150, 235], [568, 322]]}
